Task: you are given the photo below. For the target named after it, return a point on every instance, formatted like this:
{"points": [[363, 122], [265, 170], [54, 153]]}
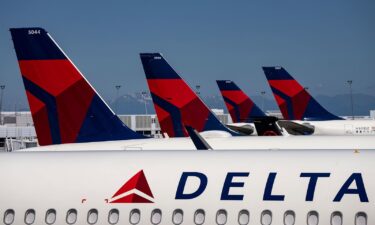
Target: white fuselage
{"points": [[342, 127], [238, 143], [276, 184]]}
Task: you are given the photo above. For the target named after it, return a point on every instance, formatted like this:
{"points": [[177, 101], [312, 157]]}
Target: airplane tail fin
{"points": [[294, 101], [176, 104], [239, 105], [64, 106]]}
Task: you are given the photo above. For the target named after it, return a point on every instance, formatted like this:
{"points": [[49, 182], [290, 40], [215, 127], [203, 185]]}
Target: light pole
{"points": [[2, 87], [197, 89], [350, 82], [263, 93], [117, 92], [144, 96]]}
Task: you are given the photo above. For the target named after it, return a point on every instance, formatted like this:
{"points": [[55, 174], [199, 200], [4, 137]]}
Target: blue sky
{"points": [[321, 43]]}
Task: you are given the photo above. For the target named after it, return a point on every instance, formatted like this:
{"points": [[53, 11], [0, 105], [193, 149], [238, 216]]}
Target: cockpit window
{"points": [[156, 216], [336, 218], [30, 216], [289, 217], [50, 216], [9, 216], [113, 216], [361, 218], [199, 217], [312, 218], [71, 216], [92, 216], [266, 217], [221, 217], [243, 217], [178, 216], [135, 216]]}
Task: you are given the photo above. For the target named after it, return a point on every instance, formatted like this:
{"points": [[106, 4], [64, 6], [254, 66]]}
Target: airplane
{"points": [[243, 111], [297, 105], [92, 125], [188, 187], [176, 104]]}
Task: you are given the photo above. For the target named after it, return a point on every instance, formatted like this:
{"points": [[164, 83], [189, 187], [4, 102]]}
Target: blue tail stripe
{"points": [[173, 111], [315, 112], [101, 124], [277, 73], [288, 101], [156, 67], [227, 85], [235, 107], [34, 44], [50, 103]]}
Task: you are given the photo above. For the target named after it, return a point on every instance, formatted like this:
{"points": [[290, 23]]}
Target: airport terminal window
{"points": [[289, 217], [135, 216], [199, 216], [312, 218], [156, 216], [71, 216], [266, 217], [221, 217], [336, 218], [92, 216], [178, 217], [8, 217], [361, 218], [50, 216], [243, 217], [30, 216], [113, 216]]}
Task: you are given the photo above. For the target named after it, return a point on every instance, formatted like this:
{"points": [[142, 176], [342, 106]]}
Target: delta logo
{"points": [[135, 190]]}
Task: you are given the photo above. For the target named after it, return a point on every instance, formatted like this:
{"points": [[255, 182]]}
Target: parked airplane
{"points": [[65, 108], [59, 120], [176, 104], [241, 108], [297, 104], [188, 187]]}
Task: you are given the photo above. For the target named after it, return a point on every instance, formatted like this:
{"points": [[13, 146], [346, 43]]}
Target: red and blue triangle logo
{"points": [[134, 187]]}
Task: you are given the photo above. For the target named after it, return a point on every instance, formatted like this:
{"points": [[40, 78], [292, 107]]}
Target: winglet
{"points": [[197, 139]]}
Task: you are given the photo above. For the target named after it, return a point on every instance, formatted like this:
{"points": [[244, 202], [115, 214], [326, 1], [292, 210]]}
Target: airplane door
{"points": [[348, 129]]}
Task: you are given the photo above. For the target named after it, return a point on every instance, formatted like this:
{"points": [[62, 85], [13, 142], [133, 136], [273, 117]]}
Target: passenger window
{"points": [[361, 218], [266, 217], [312, 218], [113, 216], [199, 217], [221, 217], [9, 217], [135, 216], [92, 216], [243, 217], [71, 216], [156, 216], [178, 216], [336, 218], [30, 216], [50, 216], [289, 217]]}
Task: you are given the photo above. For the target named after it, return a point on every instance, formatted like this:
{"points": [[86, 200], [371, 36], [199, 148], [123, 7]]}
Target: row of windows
{"points": [[178, 217]]}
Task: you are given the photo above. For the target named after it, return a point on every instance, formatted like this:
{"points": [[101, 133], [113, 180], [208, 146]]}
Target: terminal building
{"points": [[17, 129]]}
